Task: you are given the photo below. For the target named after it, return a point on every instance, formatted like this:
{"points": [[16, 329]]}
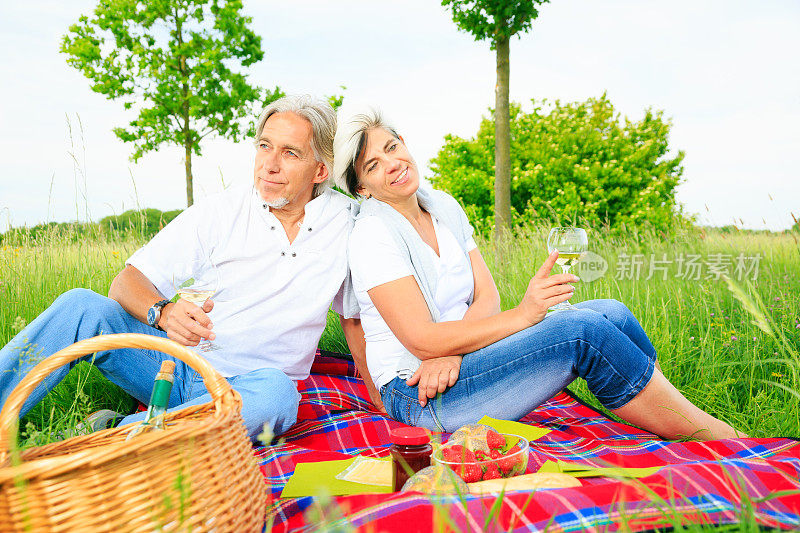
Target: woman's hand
{"points": [[545, 291], [435, 376]]}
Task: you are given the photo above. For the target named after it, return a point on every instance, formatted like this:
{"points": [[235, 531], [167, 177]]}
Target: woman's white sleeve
{"points": [[374, 256]]}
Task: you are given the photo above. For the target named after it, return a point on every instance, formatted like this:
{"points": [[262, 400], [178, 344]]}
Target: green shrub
{"points": [[146, 222], [578, 162], [143, 224]]}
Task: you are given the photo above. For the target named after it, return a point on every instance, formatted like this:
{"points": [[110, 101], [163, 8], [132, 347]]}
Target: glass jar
{"points": [[411, 452]]}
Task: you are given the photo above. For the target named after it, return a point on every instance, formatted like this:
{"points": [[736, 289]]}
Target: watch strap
{"points": [[159, 306]]}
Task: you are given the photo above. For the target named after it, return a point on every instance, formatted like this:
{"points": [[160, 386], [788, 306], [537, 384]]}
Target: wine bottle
{"points": [[157, 408]]}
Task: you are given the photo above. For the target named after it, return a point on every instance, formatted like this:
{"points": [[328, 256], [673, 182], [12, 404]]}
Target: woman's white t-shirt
{"points": [[375, 259]]}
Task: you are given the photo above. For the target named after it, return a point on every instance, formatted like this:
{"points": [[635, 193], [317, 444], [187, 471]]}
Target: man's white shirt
{"points": [[272, 304]]}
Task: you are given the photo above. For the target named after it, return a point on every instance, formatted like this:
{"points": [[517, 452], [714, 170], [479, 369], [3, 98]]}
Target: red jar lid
{"points": [[409, 436]]}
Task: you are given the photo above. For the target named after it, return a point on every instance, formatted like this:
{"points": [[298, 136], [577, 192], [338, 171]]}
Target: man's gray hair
{"points": [[323, 126], [351, 141]]}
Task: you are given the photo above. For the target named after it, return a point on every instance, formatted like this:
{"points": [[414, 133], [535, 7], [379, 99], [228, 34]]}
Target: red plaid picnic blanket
{"points": [[728, 481]]}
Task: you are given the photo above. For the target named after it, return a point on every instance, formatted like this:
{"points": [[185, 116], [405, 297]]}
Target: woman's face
{"points": [[385, 169]]}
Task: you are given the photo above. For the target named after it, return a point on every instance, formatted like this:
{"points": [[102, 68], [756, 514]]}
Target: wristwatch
{"points": [[154, 313]]}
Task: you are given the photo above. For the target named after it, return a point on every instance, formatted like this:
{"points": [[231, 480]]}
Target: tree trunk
{"points": [[502, 145], [187, 132], [188, 163]]}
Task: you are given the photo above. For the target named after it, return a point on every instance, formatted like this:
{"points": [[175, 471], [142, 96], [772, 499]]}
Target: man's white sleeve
{"points": [[179, 242]]}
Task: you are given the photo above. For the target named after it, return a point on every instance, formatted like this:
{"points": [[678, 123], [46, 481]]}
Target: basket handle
{"points": [[9, 416]]}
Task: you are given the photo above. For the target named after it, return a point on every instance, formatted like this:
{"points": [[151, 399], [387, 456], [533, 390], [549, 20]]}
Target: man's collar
{"points": [[312, 209], [316, 205]]}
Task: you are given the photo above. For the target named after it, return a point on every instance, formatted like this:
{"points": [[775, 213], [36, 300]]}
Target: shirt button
{"points": [[266, 206], [309, 229], [283, 253], [272, 228], [294, 254]]}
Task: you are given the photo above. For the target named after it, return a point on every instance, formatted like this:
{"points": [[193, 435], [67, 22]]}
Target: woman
{"points": [[432, 321]]}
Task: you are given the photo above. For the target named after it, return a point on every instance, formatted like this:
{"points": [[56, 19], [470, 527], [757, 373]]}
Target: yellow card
{"points": [[578, 470], [515, 428]]}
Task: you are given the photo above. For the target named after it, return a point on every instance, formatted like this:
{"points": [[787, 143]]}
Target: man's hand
{"points": [[186, 322], [435, 376], [545, 291]]}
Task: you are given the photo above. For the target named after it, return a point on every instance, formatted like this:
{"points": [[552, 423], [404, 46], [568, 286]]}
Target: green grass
{"points": [[707, 343], [709, 339]]}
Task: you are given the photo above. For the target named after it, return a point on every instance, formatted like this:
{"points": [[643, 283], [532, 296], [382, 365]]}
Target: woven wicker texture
{"points": [[198, 475]]}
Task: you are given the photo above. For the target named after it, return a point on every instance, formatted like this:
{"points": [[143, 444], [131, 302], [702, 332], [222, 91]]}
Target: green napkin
{"points": [[515, 428], [311, 479], [577, 470]]}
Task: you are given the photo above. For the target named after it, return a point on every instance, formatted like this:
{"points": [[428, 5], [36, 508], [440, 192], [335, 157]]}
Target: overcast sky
{"points": [[725, 72]]}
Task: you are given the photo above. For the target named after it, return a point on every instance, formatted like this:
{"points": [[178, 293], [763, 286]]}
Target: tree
{"points": [[497, 21], [571, 163], [173, 60]]}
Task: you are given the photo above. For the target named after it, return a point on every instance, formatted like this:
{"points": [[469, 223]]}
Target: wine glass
{"points": [[572, 244], [196, 281]]}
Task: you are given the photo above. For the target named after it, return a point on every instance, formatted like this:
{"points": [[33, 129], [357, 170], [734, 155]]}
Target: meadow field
{"points": [[730, 346]]}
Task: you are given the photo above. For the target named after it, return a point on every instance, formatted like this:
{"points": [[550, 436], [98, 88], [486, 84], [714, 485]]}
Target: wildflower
{"points": [[754, 338], [18, 324], [797, 326], [712, 314], [691, 338], [266, 435], [733, 338], [777, 375]]}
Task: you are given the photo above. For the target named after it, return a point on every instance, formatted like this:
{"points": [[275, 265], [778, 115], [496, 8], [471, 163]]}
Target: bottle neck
{"points": [[161, 392]]}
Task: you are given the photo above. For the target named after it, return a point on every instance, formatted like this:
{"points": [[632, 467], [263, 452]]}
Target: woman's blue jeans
{"points": [[268, 395], [602, 342]]}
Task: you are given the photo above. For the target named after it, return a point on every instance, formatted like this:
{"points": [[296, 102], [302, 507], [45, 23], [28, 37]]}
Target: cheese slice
{"points": [[368, 472], [526, 482]]}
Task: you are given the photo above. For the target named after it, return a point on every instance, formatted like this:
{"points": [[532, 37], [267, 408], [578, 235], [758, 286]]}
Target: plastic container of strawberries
{"points": [[509, 461]]}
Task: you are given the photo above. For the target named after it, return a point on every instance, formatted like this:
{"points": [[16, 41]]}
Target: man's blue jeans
{"points": [[602, 342], [268, 395]]}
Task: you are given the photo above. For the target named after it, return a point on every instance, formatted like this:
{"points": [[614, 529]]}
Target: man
{"points": [[279, 248]]}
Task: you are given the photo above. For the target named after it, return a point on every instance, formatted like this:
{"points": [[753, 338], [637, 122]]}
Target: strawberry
{"points": [[469, 472], [508, 462], [495, 440], [495, 454], [457, 454], [481, 455], [492, 472]]}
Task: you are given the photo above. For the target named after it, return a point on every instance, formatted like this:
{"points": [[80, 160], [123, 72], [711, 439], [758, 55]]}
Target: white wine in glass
{"points": [[196, 282], [572, 244]]}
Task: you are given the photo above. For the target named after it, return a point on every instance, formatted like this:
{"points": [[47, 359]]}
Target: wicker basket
{"points": [[199, 475]]}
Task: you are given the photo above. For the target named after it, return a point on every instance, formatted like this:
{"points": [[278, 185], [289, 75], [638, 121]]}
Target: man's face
{"points": [[285, 168]]}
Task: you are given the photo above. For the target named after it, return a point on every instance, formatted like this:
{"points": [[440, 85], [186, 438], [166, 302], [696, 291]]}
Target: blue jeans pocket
{"points": [[407, 410]]}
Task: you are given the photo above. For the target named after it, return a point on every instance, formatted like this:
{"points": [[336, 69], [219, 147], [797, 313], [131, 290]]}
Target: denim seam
{"points": [[405, 396], [631, 386], [434, 417], [635, 389]]}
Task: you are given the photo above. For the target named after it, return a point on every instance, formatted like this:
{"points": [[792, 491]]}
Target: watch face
{"points": [[151, 316]]}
